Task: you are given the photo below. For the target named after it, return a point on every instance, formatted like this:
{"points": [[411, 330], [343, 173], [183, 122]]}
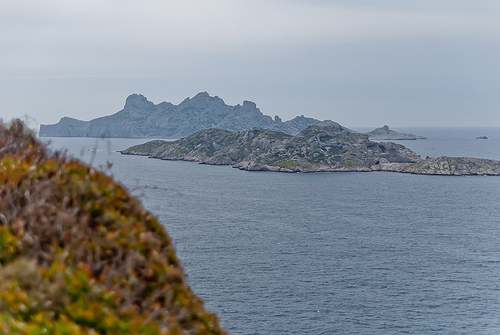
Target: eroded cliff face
{"points": [[79, 255], [143, 119]]}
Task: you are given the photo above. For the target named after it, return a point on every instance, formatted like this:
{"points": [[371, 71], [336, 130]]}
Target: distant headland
{"points": [[141, 118], [329, 148]]}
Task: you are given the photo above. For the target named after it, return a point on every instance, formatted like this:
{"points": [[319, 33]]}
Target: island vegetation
{"points": [[330, 148]]}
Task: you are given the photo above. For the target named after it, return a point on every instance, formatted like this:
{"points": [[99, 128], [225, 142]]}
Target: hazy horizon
{"points": [[359, 63], [358, 127]]}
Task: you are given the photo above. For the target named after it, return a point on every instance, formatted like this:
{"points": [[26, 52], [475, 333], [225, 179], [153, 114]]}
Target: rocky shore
{"points": [[328, 148], [457, 166]]}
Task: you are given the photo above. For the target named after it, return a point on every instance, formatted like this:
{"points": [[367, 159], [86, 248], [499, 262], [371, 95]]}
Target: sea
{"points": [[329, 253]]}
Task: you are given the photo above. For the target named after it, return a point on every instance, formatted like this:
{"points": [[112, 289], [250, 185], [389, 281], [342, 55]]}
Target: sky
{"points": [[361, 63]]}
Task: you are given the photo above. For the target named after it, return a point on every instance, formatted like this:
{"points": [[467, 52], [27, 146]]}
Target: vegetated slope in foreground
{"points": [[328, 148], [79, 255]]}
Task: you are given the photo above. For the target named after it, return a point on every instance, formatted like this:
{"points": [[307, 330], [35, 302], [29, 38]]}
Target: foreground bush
{"points": [[79, 255]]}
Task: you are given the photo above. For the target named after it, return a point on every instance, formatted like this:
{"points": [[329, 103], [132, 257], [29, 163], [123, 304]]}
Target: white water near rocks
{"points": [[326, 253]]}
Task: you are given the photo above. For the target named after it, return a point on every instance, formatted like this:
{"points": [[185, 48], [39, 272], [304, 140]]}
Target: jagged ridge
{"points": [[143, 119]]}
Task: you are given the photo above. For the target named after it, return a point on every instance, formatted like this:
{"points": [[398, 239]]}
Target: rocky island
{"points": [[328, 148], [141, 118], [386, 134]]}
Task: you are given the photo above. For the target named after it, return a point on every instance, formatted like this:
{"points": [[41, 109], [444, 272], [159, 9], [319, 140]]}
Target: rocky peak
{"points": [[249, 104], [202, 95], [137, 106], [248, 109], [201, 100], [138, 101]]}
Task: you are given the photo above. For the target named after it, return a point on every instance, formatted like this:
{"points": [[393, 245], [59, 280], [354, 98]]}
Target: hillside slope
{"points": [[79, 255]]}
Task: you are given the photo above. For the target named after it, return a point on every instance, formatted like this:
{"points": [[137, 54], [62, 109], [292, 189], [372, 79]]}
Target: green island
{"points": [[329, 148], [79, 255]]}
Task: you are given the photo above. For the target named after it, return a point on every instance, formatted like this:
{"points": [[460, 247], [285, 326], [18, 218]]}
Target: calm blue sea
{"points": [[330, 253]]}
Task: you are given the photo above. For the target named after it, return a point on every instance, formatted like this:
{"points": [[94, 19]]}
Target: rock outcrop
{"points": [[384, 133], [456, 166], [79, 255], [315, 149], [141, 118]]}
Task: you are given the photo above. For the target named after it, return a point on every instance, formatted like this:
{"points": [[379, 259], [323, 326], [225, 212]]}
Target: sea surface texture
{"points": [[330, 253]]}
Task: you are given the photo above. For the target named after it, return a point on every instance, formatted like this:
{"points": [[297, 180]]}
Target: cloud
{"points": [[104, 37], [286, 55]]}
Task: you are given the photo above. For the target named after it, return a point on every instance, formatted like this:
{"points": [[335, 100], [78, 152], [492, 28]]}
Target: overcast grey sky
{"points": [[360, 63]]}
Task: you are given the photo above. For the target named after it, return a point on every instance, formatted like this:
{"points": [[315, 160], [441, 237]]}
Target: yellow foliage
{"points": [[79, 255]]}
